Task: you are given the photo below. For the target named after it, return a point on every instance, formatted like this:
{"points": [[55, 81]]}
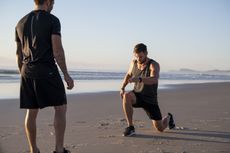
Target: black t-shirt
{"points": [[34, 32]]}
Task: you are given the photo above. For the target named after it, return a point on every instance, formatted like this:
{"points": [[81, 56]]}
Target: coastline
{"points": [[100, 86], [95, 123]]}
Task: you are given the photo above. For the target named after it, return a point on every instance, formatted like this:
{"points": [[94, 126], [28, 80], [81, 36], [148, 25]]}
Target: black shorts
{"points": [[40, 93], [152, 109]]}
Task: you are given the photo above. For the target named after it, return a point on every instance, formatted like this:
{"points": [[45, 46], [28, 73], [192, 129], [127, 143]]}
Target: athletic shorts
{"points": [[41, 93], [152, 110]]}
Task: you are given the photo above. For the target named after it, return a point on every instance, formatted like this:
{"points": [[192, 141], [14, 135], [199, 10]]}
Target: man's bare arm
{"points": [[127, 76], [59, 56], [19, 56], [58, 53], [154, 75], [125, 81]]}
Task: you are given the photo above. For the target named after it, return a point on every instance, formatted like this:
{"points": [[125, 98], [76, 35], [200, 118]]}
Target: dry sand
{"points": [[95, 123]]}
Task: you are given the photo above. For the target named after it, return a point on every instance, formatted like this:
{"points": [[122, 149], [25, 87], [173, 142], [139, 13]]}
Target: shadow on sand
{"points": [[194, 135], [1, 151]]}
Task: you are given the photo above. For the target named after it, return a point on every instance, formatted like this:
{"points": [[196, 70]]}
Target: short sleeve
{"points": [[56, 26]]}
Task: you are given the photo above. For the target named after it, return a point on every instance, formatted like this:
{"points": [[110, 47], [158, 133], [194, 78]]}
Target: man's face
{"points": [[140, 57]]}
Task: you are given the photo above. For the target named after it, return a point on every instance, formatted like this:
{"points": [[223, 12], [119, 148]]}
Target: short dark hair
{"points": [[40, 2], [140, 48]]}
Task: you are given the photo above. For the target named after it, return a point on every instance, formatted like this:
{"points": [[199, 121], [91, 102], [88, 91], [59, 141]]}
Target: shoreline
{"points": [[95, 122], [163, 87]]}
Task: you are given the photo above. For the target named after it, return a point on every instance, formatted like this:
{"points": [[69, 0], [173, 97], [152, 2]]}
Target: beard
{"points": [[143, 61]]}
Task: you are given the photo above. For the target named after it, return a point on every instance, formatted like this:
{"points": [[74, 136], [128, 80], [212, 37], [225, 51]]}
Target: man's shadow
{"points": [[195, 135]]}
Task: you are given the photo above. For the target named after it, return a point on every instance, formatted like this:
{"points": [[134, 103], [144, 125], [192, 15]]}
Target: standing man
{"points": [[144, 73], [39, 47]]}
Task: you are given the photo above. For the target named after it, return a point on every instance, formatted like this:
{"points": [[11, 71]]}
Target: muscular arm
{"points": [[58, 53], [127, 76], [154, 74], [59, 56], [19, 56], [125, 81]]}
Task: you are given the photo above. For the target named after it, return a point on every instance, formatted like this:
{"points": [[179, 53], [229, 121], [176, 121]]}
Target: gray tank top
{"points": [[148, 92]]}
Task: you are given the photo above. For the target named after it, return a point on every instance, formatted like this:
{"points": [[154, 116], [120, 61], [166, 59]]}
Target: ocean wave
{"points": [[7, 75]]}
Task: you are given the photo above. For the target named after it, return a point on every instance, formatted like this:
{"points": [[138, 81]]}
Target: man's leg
{"points": [[128, 100], [161, 125], [30, 127], [59, 126]]}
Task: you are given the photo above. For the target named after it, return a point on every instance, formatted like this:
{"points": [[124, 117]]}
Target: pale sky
{"points": [[101, 34]]}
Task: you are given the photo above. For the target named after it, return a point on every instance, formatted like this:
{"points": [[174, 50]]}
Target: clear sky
{"points": [[101, 34]]}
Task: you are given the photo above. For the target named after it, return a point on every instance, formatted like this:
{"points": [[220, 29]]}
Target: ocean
{"points": [[99, 81]]}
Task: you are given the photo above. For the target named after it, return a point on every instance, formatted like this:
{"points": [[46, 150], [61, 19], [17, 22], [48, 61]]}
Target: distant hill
{"points": [[187, 70], [216, 71]]}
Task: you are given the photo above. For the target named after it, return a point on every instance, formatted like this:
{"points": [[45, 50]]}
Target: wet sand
{"points": [[95, 123]]}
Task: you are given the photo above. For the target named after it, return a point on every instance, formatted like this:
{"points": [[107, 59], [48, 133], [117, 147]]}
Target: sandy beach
{"points": [[95, 123]]}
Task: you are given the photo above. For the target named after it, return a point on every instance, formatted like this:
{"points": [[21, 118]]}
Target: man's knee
{"points": [[127, 99], [32, 113], [159, 127], [126, 96], [61, 108]]}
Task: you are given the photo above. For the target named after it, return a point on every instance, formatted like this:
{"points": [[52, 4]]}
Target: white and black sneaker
{"points": [[129, 131]]}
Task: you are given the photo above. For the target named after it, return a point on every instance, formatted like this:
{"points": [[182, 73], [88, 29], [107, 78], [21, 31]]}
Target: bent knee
{"points": [[159, 128], [127, 97]]}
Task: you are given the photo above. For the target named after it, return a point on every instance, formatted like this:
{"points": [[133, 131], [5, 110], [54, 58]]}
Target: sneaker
{"points": [[65, 151], [129, 131], [171, 121]]}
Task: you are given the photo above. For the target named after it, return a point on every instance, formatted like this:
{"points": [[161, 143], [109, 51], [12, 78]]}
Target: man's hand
{"points": [[134, 79], [122, 92], [69, 81]]}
